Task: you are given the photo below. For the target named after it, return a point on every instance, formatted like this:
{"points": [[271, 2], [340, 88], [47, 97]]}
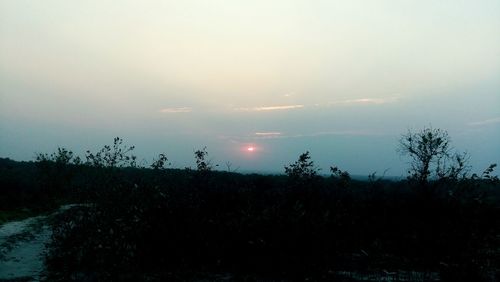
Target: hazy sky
{"points": [[342, 79]]}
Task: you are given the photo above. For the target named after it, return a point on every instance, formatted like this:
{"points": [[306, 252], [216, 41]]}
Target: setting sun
{"points": [[251, 149]]}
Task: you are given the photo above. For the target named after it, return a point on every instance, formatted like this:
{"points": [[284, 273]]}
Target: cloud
{"points": [[375, 101], [337, 132], [176, 110], [267, 134], [270, 108], [485, 122], [279, 135]]}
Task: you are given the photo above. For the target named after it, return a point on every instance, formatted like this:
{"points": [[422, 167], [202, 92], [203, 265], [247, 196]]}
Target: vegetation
{"points": [[135, 223], [430, 149]]}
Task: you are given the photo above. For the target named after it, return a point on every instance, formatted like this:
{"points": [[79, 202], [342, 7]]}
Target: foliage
{"points": [[158, 224], [62, 157], [56, 173], [159, 164], [303, 170], [426, 147], [116, 155], [342, 177], [488, 175], [202, 164], [457, 170]]}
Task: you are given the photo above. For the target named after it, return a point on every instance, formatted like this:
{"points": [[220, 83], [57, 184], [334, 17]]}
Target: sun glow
{"points": [[250, 150]]}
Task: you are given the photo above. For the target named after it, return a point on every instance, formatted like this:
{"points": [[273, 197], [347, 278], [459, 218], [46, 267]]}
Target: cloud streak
{"points": [[267, 134], [176, 110], [360, 101], [485, 122], [366, 101], [335, 132], [270, 108], [280, 135]]}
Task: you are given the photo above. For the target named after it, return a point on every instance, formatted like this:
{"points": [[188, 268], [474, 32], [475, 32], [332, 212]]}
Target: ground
{"points": [[22, 247]]}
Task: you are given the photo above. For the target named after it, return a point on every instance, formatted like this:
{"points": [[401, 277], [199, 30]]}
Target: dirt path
{"points": [[22, 247]]}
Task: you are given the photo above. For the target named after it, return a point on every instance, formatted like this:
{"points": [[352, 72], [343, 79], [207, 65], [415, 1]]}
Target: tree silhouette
{"points": [[116, 155], [426, 148], [161, 162], [56, 170], [303, 169], [202, 164]]}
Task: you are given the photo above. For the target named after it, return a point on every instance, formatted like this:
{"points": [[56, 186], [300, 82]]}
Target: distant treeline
{"points": [[153, 223]]}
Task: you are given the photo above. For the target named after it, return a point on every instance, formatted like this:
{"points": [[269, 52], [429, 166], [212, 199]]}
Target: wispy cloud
{"points": [[337, 132], [485, 122], [270, 108], [176, 110], [360, 101], [375, 101], [267, 134], [280, 135]]}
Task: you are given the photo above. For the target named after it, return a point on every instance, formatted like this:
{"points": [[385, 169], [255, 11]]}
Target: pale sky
{"points": [[342, 79]]}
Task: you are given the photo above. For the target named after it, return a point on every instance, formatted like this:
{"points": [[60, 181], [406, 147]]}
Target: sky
{"points": [[341, 79]]}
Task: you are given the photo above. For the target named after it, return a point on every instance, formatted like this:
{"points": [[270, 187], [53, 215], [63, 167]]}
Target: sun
{"points": [[250, 149]]}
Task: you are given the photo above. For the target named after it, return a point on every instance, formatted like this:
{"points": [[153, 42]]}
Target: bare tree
{"points": [[428, 149], [229, 166]]}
